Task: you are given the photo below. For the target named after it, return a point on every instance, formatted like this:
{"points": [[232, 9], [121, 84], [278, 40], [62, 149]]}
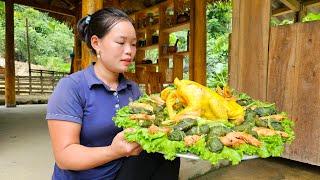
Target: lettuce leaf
{"points": [[157, 142], [288, 125], [226, 154], [121, 119]]}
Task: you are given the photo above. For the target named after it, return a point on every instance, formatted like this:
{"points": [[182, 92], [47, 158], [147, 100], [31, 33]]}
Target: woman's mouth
{"points": [[126, 62]]}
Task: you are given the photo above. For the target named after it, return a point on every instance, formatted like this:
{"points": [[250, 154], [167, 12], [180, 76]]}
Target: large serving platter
{"points": [[195, 157]]}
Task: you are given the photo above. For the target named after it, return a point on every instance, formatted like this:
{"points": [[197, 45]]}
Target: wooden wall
{"points": [[282, 65], [294, 85]]}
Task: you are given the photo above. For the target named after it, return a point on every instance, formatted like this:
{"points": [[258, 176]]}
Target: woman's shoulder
{"points": [[77, 77], [74, 79]]}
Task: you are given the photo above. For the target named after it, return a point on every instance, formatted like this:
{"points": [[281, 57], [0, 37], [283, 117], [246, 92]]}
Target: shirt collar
{"points": [[92, 79]]}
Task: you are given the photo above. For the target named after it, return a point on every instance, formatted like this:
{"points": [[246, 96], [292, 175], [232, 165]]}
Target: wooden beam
{"points": [[76, 64], [282, 11], [10, 94], [312, 3], [292, 4], [179, 27], [200, 39], [163, 39], [67, 2], [191, 40], [301, 14], [234, 63], [45, 7]]}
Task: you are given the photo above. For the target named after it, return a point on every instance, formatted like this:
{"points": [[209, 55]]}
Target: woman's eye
{"points": [[134, 44], [122, 43]]}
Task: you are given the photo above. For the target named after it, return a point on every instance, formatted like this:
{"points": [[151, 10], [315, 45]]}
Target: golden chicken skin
{"points": [[200, 101]]}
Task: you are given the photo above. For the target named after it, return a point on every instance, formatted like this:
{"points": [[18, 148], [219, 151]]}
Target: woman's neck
{"points": [[106, 76]]}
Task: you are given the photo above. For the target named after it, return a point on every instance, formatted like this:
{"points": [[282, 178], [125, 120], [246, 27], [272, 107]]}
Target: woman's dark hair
{"points": [[100, 23]]}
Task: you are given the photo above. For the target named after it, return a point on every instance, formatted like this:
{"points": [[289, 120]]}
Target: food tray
{"points": [[195, 157]]}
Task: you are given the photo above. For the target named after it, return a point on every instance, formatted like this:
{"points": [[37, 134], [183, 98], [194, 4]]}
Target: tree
{"points": [[51, 41], [219, 15]]}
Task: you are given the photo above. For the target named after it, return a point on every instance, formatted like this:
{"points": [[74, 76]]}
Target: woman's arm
{"points": [[70, 155]]}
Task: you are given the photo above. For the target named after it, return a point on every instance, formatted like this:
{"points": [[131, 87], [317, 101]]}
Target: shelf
{"points": [[178, 27], [146, 33], [154, 46], [145, 65], [182, 53], [148, 67], [144, 30]]}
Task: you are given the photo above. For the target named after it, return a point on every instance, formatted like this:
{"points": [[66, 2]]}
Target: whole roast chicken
{"points": [[197, 100]]}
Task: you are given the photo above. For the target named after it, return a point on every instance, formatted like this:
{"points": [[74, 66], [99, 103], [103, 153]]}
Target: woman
{"points": [[85, 141]]}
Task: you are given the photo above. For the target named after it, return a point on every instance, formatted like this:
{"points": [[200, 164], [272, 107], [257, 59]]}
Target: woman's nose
{"points": [[128, 49]]}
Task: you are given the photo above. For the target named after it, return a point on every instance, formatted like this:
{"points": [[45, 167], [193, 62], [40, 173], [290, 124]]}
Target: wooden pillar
{"points": [[301, 14], [76, 63], [249, 47], [10, 94], [88, 7], [198, 41], [163, 40], [191, 40], [178, 66]]}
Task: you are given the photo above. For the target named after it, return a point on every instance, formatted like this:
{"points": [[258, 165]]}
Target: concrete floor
{"points": [[25, 153]]}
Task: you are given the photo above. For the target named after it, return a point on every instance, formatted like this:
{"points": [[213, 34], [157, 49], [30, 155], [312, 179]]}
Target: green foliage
{"points": [[218, 77], [152, 54], [219, 16], [51, 41], [182, 36], [218, 28], [53, 63], [311, 17], [132, 68], [275, 22]]}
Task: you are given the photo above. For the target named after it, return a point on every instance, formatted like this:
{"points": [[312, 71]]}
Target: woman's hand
{"points": [[124, 148]]}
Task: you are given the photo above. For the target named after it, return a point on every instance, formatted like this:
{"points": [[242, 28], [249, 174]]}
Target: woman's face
{"points": [[118, 47]]}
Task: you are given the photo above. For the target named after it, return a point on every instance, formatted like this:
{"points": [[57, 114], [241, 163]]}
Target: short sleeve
{"points": [[66, 103]]}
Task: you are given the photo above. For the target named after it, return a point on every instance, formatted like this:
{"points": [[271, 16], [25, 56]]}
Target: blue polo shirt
{"points": [[83, 98]]}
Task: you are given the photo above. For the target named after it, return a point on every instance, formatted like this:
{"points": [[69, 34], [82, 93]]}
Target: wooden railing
{"points": [[43, 82], [40, 82], [47, 73]]}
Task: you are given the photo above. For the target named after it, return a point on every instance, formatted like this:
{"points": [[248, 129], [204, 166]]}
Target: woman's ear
{"points": [[95, 43]]}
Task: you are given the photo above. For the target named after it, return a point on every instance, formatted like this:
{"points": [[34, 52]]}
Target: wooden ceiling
{"points": [[65, 10], [62, 10], [284, 9]]}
